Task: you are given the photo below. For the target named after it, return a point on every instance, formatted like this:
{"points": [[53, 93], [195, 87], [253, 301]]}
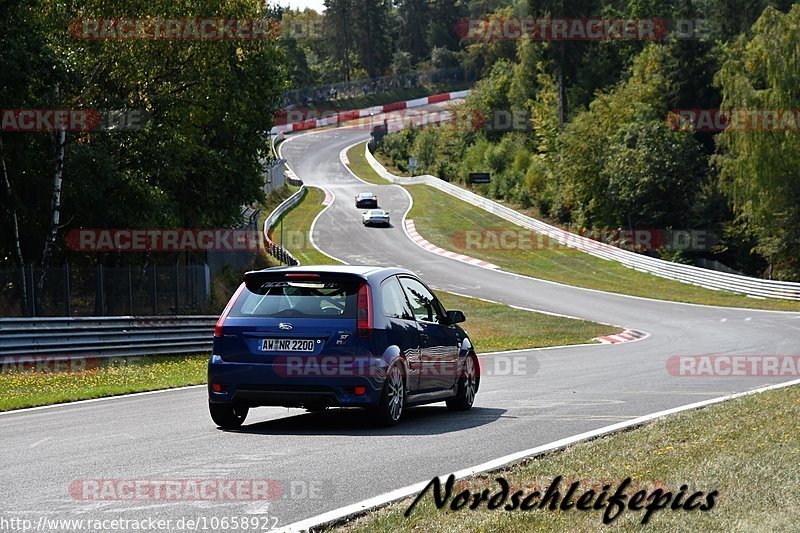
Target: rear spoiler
{"points": [[255, 279]]}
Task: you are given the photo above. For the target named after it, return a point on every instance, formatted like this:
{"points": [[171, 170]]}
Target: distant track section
{"points": [[353, 114]]}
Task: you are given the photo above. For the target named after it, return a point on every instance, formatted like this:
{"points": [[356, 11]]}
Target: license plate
{"points": [[287, 345]]}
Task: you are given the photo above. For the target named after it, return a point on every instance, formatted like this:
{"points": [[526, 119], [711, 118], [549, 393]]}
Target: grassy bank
{"points": [[444, 220], [497, 327], [291, 230], [746, 449], [96, 378], [360, 166]]}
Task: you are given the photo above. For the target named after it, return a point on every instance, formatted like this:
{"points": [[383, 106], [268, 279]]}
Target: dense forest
{"points": [[601, 146]]}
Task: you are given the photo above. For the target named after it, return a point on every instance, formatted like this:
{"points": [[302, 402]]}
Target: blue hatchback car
{"points": [[346, 336]]}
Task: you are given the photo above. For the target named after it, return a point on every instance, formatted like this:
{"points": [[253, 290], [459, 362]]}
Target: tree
{"points": [[373, 42], [760, 168], [194, 164], [585, 142], [444, 15], [338, 25], [414, 21], [653, 175]]}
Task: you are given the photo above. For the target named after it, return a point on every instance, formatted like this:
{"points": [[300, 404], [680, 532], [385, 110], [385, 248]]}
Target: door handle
{"points": [[423, 337]]}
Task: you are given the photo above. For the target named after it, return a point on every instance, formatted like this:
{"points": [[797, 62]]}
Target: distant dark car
{"points": [[366, 199], [375, 217], [346, 336]]}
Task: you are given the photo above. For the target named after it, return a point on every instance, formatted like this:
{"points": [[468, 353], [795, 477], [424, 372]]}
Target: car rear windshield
{"points": [[299, 299]]}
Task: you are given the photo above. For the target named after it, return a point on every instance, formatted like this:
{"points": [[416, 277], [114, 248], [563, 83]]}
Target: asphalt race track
{"points": [[333, 459]]}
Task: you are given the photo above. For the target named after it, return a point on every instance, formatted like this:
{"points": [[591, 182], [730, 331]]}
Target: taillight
{"points": [[302, 276], [223, 316], [364, 315]]}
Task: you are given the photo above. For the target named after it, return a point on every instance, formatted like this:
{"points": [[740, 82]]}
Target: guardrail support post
{"points": [[100, 297], [177, 288], [67, 290], [155, 290], [33, 291], [130, 291]]}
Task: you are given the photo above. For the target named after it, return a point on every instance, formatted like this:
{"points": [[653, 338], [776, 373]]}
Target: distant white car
{"points": [[375, 216]]}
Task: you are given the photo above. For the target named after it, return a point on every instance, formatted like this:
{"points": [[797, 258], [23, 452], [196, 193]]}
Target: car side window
{"points": [[394, 300], [424, 304]]}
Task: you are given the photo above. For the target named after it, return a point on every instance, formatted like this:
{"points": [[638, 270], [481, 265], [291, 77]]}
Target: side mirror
{"points": [[456, 317]]}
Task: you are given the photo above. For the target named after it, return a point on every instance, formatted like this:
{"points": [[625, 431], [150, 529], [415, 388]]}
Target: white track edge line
{"points": [[103, 399], [398, 494]]}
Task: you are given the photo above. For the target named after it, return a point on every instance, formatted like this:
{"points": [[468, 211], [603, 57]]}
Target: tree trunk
{"points": [[562, 94], [15, 229], [55, 210]]}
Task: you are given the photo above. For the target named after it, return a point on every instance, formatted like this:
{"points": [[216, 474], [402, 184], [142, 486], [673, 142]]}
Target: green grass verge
{"points": [[443, 220], [274, 200], [96, 378], [746, 449], [360, 166], [497, 327], [296, 224]]}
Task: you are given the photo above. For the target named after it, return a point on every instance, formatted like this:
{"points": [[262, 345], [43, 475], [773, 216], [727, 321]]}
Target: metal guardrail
{"points": [[120, 336], [63, 338], [709, 279], [276, 250]]}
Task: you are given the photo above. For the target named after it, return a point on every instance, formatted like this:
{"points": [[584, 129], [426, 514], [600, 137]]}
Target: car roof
{"points": [[365, 194]]}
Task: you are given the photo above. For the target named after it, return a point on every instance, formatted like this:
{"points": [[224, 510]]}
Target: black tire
{"points": [[468, 384], [228, 416], [393, 399], [315, 407]]}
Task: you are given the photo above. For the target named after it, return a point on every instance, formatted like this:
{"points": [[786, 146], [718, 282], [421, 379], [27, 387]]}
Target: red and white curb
{"points": [[329, 197], [354, 114], [420, 241], [343, 158], [629, 335], [290, 174]]}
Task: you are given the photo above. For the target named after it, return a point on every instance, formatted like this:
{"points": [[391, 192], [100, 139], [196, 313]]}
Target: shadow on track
{"points": [[425, 420]]}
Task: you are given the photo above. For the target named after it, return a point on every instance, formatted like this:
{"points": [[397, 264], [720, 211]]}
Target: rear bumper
{"points": [[256, 384]]}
